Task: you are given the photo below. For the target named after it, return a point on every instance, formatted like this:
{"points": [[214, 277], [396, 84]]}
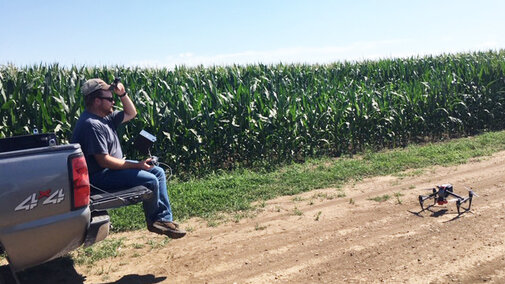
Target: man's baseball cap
{"points": [[92, 85]]}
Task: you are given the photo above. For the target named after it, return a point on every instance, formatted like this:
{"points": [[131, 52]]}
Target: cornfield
{"points": [[223, 117]]}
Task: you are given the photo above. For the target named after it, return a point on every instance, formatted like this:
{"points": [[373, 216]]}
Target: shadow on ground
{"points": [[62, 270], [135, 278]]}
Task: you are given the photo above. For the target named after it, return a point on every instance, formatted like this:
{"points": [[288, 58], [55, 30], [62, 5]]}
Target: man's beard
{"points": [[107, 111]]}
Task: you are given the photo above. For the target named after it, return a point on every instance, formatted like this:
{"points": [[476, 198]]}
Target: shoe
{"points": [[156, 228], [173, 230], [169, 229], [175, 223]]}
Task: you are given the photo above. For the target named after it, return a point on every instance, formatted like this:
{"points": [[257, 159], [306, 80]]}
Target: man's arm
{"points": [[110, 162], [128, 107]]}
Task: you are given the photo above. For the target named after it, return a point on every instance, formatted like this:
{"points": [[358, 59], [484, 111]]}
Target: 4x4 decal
{"points": [[33, 199]]}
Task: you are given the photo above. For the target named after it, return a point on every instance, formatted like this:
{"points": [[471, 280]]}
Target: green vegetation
{"points": [[104, 249], [382, 198], [398, 199], [234, 191], [257, 116], [153, 244], [259, 228], [297, 212]]}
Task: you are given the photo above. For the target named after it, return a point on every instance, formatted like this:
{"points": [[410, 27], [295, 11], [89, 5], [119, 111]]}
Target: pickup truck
{"points": [[47, 207]]}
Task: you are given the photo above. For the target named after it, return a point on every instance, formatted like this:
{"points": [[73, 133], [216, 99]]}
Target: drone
{"points": [[440, 194]]}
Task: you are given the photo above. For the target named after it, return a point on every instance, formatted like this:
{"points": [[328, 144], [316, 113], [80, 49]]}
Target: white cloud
{"points": [[326, 54]]}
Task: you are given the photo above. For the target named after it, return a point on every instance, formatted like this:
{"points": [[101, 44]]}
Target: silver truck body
{"points": [[37, 221]]}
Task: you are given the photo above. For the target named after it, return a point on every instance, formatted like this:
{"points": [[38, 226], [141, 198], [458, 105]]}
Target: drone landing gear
{"points": [[461, 200], [422, 198]]}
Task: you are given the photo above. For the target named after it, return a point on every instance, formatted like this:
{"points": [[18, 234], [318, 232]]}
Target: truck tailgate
{"points": [[38, 222]]}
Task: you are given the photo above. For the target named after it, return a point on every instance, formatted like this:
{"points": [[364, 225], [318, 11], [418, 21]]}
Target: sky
{"points": [[225, 32]]}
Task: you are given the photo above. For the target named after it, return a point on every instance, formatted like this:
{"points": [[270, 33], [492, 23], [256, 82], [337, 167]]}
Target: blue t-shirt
{"points": [[97, 135]]}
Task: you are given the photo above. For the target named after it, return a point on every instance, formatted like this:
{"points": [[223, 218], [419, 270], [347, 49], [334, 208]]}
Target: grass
{"points": [[259, 228], [398, 199], [231, 192], [153, 244], [381, 198], [104, 249], [297, 212]]}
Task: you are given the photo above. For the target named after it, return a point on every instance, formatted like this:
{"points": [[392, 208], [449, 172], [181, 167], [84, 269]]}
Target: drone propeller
{"points": [[428, 188], [472, 192]]}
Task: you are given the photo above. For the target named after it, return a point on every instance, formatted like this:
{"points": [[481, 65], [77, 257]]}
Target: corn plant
{"points": [[223, 117]]}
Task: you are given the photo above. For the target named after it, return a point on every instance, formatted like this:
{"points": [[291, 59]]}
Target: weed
{"points": [[157, 245], [317, 216], [341, 195], [412, 173], [105, 249], [240, 215], [213, 223], [258, 227], [101, 271], [351, 201], [297, 198], [138, 246], [297, 212], [237, 217], [395, 182], [322, 196], [382, 198], [398, 195]]}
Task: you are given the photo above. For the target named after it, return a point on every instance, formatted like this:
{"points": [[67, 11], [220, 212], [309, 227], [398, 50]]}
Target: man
{"points": [[96, 132]]}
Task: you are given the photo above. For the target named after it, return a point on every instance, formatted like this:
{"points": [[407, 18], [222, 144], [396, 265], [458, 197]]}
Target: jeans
{"points": [[157, 208]]}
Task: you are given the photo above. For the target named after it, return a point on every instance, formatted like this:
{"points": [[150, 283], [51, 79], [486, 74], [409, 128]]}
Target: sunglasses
{"points": [[110, 99]]}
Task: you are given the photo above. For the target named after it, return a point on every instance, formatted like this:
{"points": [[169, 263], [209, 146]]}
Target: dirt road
{"points": [[321, 237]]}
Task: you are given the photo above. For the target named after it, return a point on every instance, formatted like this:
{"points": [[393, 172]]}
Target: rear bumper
{"points": [[32, 243], [98, 228]]}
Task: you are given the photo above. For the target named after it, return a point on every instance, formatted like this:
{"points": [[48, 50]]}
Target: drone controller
{"points": [[154, 161]]}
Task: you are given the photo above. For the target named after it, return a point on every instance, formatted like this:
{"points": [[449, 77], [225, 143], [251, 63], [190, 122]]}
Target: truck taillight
{"points": [[80, 182]]}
